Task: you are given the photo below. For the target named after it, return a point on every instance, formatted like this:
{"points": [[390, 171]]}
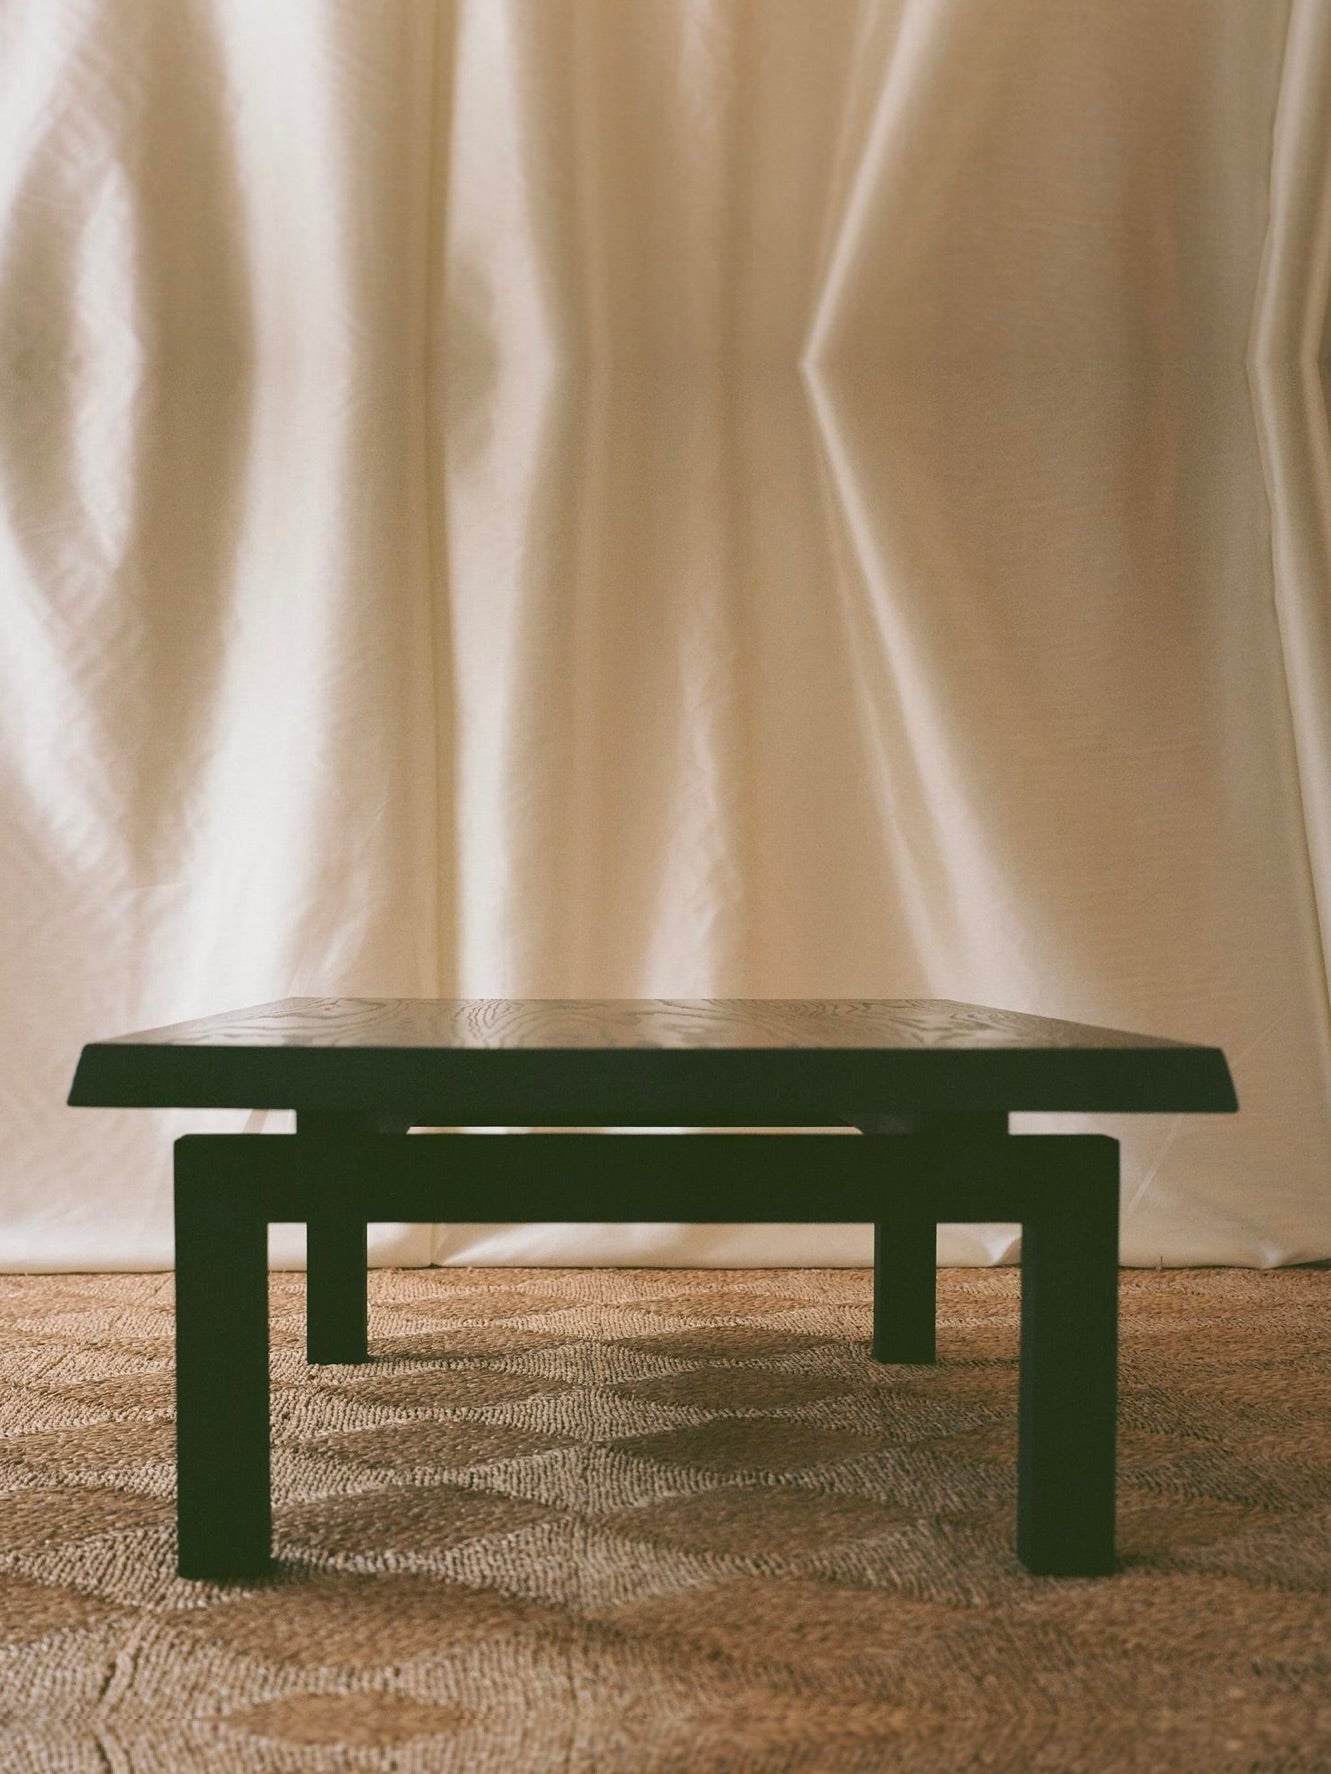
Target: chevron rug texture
{"points": [[623, 1521]]}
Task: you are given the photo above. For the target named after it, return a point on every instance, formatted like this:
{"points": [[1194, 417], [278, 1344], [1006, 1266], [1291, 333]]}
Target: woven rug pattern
{"points": [[653, 1521]]}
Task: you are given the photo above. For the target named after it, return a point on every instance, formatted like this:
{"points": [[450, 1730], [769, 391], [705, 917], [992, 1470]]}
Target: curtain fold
{"points": [[695, 498], [1289, 352]]}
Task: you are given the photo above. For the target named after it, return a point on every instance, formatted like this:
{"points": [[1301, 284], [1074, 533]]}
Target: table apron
{"points": [[598, 1178]]}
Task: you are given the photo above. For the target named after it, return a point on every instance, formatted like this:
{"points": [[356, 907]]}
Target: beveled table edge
{"points": [[651, 1085]]}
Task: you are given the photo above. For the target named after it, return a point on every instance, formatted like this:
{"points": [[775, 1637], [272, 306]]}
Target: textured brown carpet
{"points": [[660, 1520]]}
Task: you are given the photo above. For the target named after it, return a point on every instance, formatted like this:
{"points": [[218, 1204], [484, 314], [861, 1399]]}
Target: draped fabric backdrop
{"points": [[681, 498]]}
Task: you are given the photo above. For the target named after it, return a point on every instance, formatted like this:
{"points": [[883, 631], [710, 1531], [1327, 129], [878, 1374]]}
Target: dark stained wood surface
{"points": [[646, 1062], [563, 1024]]}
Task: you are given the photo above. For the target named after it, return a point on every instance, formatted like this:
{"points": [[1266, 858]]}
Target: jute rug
{"points": [[661, 1520]]}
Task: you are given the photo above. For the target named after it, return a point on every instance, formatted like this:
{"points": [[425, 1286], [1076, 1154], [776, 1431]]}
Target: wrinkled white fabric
{"points": [[699, 497]]}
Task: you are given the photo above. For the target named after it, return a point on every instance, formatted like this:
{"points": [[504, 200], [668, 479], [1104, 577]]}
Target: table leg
{"points": [[336, 1300], [1068, 1381], [336, 1304], [223, 1507], [905, 1240], [905, 1275]]}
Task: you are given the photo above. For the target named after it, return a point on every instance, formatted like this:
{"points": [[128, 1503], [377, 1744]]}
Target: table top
{"points": [[483, 1061]]}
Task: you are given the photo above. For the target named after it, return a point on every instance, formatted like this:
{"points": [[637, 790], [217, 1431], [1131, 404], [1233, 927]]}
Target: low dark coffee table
{"points": [[933, 1082]]}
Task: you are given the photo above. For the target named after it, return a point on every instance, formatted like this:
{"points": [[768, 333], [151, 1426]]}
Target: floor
{"points": [[663, 1520]]}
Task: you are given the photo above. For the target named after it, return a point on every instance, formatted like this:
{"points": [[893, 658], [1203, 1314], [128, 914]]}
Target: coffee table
{"points": [[932, 1084]]}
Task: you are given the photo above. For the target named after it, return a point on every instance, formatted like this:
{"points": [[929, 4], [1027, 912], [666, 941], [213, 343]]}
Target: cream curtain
{"points": [[668, 497]]}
